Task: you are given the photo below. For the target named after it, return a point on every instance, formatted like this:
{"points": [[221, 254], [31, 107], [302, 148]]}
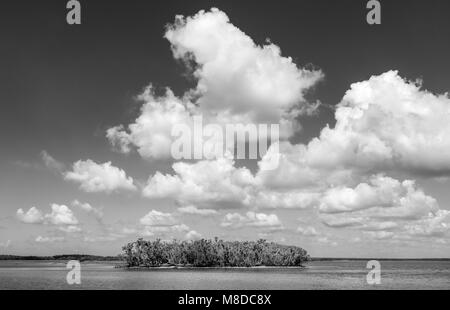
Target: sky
{"points": [[86, 114]]}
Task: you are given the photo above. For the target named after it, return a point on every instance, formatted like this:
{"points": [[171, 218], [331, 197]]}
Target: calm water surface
{"points": [[317, 275]]}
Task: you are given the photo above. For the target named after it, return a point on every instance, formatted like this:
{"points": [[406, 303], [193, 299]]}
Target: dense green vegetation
{"points": [[212, 253]]}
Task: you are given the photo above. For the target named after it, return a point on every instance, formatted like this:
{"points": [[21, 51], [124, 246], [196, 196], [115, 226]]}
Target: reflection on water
{"points": [[317, 275]]}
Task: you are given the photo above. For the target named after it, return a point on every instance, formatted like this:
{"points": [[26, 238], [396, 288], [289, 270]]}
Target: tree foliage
{"points": [[212, 253]]}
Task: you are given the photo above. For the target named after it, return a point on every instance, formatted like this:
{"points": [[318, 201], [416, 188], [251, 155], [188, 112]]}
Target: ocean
{"points": [[320, 275]]}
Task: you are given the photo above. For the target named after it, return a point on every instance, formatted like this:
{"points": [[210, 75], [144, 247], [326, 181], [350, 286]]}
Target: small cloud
{"points": [[193, 235], [95, 177], [194, 210], [307, 231], [60, 215], [51, 163], [41, 239], [88, 208], [236, 220], [70, 229], [32, 216]]}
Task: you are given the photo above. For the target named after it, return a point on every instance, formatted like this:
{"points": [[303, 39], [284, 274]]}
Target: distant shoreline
{"points": [[83, 257]]}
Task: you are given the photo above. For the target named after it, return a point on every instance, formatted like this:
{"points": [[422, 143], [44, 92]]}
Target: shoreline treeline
{"points": [[63, 257], [212, 253]]}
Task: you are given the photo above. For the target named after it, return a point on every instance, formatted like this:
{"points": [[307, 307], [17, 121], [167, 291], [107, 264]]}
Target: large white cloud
{"points": [[387, 123], [223, 186], [238, 82], [384, 208], [390, 198], [236, 76], [95, 177]]}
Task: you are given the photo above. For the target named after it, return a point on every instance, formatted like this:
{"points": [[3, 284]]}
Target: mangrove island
{"points": [[212, 253]]}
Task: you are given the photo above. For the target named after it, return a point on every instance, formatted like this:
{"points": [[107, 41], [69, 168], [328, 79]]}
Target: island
{"points": [[211, 253]]}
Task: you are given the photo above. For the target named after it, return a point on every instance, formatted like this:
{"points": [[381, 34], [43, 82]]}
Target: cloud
{"points": [[387, 123], [95, 177], [252, 219], [236, 76], [307, 231], [88, 208], [390, 197], [326, 240], [70, 229], [157, 218], [269, 199], [151, 131], [52, 163], [60, 215], [44, 239], [193, 210], [437, 225], [223, 185], [385, 208], [380, 235], [192, 235], [102, 238], [150, 231], [238, 82], [295, 171], [32, 216]]}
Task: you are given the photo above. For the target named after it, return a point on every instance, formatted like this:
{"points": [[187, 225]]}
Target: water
{"points": [[317, 275]]}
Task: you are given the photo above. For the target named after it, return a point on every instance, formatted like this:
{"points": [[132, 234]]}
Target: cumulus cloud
{"points": [[384, 208], [252, 219], [223, 185], [238, 81], [151, 133], [194, 210], [387, 123], [95, 177], [236, 76], [390, 197], [32, 216], [59, 215]]}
